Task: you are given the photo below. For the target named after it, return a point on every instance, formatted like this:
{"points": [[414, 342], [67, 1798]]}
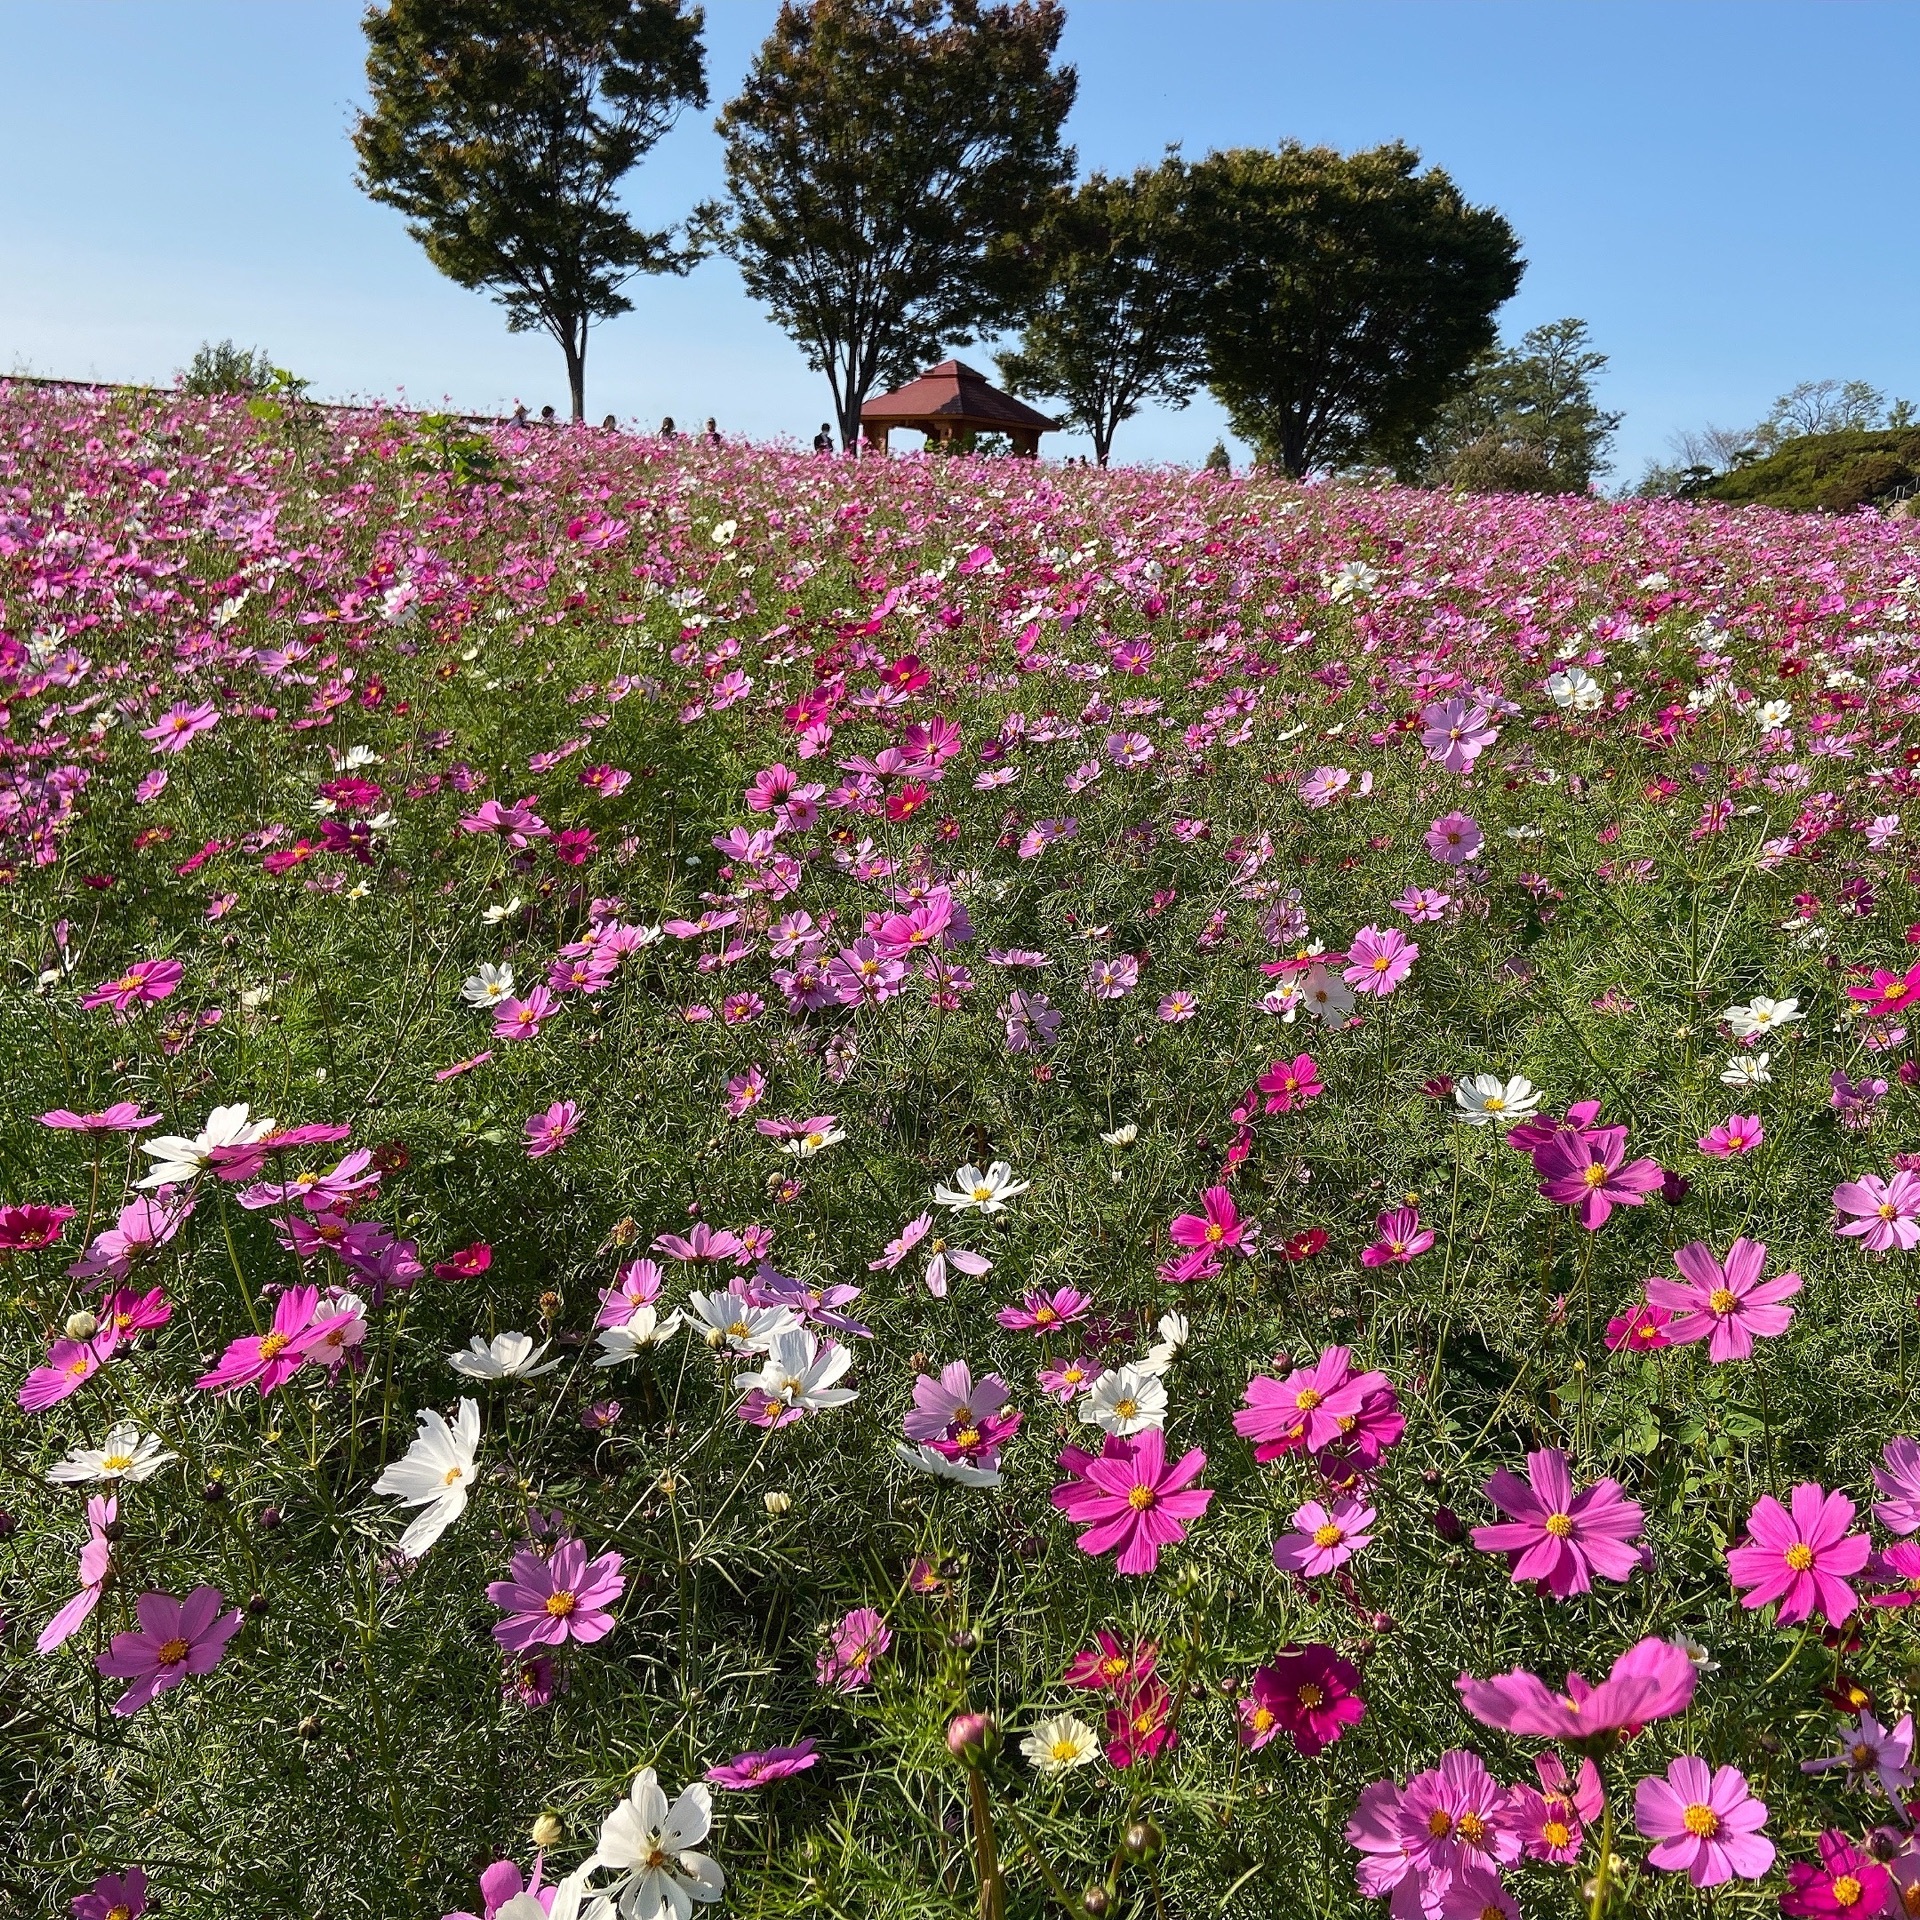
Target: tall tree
{"points": [[1118, 320], [886, 161], [502, 130], [1525, 422], [1352, 296]]}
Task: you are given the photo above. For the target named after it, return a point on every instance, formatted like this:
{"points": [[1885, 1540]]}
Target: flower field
{"points": [[944, 1188]]}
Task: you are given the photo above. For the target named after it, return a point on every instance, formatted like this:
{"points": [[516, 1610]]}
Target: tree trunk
{"points": [[575, 348], [1102, 441], [849, 413]]}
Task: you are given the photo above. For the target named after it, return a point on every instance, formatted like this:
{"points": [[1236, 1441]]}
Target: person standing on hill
{"points": [[668, 431], [712, 434], [823, 440]]}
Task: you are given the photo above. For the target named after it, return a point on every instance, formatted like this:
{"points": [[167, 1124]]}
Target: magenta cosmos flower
{"points": [[1379, 959], [122, 1117], [115, 1896], [1291, 1083], [1738, 1133], [1046, 1312], [1308, 1693], [24, 1229], [1705, 1824], [1724, 1302], [1217, 1227], [1453, 1817], [550, 1131], [175, 1638], [1559, 1537], [1885, 1213], [267, 1359], [143, 983], [859, 1639], [1800, 1555], [1402, 1238], [745, 1771], [1323, 1537], [1847, 1882], [179, 724], [96, 1558], [1127, 1499], [1311, 1409], [558, 1597], [1652, 1680], [1585, 1171]]}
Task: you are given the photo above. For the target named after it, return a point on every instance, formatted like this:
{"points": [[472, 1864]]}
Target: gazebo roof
{"points": [[955, 394]]}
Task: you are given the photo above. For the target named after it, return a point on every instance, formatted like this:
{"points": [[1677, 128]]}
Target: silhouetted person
{"points": [[520, 414], [823, 440], [668, 431], [712, 433], [546, 417], [609, 425]]}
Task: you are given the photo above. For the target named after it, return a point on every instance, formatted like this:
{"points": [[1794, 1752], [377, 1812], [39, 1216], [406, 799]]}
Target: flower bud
{"points": [[1447, 1524], [82, 1325], [548, 1831], [971, 1737], [9, 1526], [1096, 1900], [1142, 1841], [777, 1504], [269, 1519]]}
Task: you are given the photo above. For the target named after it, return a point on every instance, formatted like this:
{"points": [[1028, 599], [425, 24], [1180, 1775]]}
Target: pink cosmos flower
{"points": [[1291, 1083], [115, 1896], [705, 1246], [1455, 733], [1311, 1409], [179, 724], [28, 1228], [1886, 1212], [1551, 1820], [1218, 1228], [1800, 1555], [549, 1599], [1704, 1823], [1652, 1680], [1323, 1537], [1046, 1312], [1402, 1238], [1378, 960], [1308, 1693], [1738, 1133], [1584, 1171], [521, 1019], [1898, 1477], [550, 1131], [122, 1117], [141, 985], [266, 1360], [1422, 905], [1644, 1330], [746, 1771], [174, 1638], [1559, 1537], [860, 1638], [1454, 1817], [1724, 1302], [503, 1882], [96, 1559], [1869, 1751], [1455, 838], [1386, 1867], [1846, 1883], [962, 1417], [1128, 1499]]}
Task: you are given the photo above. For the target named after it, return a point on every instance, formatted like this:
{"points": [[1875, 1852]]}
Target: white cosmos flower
{"points": [[125, 1454], [1125, 1400], [1759, 1015], [989, 1191], [646, 1329], [930, 1460], [435, 1474], [800, 1372], [1747, 1070], [1484, 1099], [1174, 1337], [1773, 715], [495, 914], [177, 1158], [1121, 1136], [1060, 1744], [1326, 994], [489, 986], [507, 1356], [737, 1324], [1575, 689], [805, 1145], [651, 1848]]}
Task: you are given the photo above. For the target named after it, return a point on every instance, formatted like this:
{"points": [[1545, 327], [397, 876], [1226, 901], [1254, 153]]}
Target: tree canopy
{"points": [[886, 162], [502, 129], [1351, 297], [1117, 322]]}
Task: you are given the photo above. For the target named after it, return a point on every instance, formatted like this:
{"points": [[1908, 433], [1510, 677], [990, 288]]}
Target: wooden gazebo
{"points": [[949, 400]]}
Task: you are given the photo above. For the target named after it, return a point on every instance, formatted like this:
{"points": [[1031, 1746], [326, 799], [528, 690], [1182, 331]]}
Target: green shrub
{"points": [[1824, 472]]}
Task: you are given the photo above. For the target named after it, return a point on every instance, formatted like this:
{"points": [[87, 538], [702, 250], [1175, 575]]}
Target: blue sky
{"points": [[1724, 189]]}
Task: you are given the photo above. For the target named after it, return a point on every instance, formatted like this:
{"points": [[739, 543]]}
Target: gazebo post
{"points": [[874, 433]]}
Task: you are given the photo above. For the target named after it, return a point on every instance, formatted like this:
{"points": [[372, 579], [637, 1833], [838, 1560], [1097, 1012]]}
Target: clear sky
{"points": [[1727, 190]]}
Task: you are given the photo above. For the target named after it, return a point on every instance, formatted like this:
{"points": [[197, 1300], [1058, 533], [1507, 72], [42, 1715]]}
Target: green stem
{"points": [[1599, 1906]]}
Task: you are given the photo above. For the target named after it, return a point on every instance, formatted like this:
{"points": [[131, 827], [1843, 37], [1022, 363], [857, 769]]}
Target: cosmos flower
{"points": [[1703, 1822], [1800, 1555], [1556, 1536]]}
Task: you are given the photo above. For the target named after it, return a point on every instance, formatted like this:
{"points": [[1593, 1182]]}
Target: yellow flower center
{"points": [[1308, 1398], [1310, 1698], [1215, 1231], [1702, 1822], [1112, 1669], [1560, 1525], [1722, 1300], [274, 1344], [1799, 1556], [1439, 1823], [1473, 1829], [1064, 1749], [1846, 1891], [560, 1604], [1328, 1536], [121, 1912], [983, 1193], [80, 1366], [171, 1652], [1556, 1833], [1595, 1175], [1862, 1754], [1140, 1498], [967, 1437], [1261, 1718], [1044, 1316], [1126, 1409], [115, 1462], [451, 1475]]}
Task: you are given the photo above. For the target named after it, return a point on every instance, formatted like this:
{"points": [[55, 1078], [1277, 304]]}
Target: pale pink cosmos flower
{"points": [[553, 1598], [1454, 839], [1422, 904], [1704, 1823], [1886, 1213], [1559, 1537], [1128, 1500], [1323, 1537], [1870, 1751], [1800, 1555], [1455, 733], [180, 723], [175, 1638], [1724, 1302], [95, 1563], [1652, 1680], [1898, 1477], [1180, 1005]]}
